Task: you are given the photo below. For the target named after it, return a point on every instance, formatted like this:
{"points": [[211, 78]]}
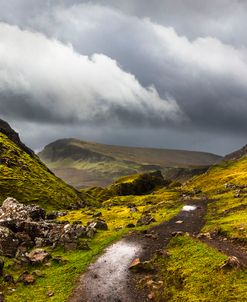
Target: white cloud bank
{"points": [[47, 74]]}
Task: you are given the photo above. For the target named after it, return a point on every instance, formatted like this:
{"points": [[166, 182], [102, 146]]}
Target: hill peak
{"points": [[14, 136], [236, 154]]}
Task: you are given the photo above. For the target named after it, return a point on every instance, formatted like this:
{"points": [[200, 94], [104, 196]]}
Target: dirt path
{"points": [[109, 280]]}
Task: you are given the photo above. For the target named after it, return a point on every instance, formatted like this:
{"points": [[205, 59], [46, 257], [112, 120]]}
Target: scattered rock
{"points": [[9, 279], [138, 267], [146, 220], [130, 225], [230, 263], [27, 278], [8, 242], [99, 224], [152, 236], [206, 235], [151, 296], [38, 273], [177, 233], [38, 256], [50, 293], [179, 221]]}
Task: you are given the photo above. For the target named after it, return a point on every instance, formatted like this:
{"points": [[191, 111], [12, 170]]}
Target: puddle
{"points": [[188, 208], [106, 278]]}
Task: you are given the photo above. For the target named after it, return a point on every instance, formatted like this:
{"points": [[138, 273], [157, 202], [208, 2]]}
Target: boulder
{"points": [[11, 209], [145, 220], [38, 256], [140, 267], [27, 278], [8, 242], [230, 263], [99, 225]]}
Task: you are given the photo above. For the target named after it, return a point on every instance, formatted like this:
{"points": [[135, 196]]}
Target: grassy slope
{"points": [[227, 215], [95, 170], [29, 181], [192, 272]]}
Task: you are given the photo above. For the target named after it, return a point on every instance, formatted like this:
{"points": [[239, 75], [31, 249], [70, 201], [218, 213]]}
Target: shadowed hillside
{"points": [[85, 164]]}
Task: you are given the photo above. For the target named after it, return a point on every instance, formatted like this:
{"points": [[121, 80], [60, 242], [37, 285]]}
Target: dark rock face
{"points": [[24, 226], [12, 135], [143, 184]]}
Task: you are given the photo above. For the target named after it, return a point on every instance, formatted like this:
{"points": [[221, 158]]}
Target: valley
{"points": [[86, 164], [188, 237]]}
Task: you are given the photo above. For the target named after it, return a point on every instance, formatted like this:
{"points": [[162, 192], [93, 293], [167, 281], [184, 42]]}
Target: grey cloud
{"points": [[201, 64]]}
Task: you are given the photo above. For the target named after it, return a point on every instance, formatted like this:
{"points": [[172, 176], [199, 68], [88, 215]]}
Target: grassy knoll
{"points": [[191, 272]]}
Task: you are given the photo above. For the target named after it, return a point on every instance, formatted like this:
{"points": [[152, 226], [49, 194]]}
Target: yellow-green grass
{"points": [[192, 273], [228, 213], [215, 178], [29, 180]]}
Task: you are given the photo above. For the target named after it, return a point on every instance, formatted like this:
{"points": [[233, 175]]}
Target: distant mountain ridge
{"points": [[83, 163]]}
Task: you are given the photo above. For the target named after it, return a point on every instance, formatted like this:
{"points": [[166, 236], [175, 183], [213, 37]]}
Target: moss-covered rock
{"points": [[137, 184]]}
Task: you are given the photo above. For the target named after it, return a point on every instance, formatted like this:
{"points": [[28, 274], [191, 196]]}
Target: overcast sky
{"points": [[169, 73]]}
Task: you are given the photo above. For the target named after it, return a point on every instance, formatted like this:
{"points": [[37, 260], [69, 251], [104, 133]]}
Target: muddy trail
{"points": [[109, 278]]}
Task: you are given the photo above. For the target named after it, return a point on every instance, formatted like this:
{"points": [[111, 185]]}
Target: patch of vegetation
{"points": [[191, 272], [226, 183], [28, 180]]}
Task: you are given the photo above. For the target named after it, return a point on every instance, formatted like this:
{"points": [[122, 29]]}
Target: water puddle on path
{"points": [[189, 208], [106, 278]]}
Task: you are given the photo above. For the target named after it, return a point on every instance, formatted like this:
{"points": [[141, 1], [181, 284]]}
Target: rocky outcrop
{"points": [[139, 185], [25, 226], [14, 137]]}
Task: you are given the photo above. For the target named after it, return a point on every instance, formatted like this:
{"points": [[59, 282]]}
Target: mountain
{"points": [[85, 164], [25, 177]]}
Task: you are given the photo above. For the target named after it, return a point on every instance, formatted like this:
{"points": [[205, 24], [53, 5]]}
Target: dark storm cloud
{"points": [[192, 52]]}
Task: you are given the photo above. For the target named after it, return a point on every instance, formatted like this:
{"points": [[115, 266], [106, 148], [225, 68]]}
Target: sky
{"points": [[170, 74]]}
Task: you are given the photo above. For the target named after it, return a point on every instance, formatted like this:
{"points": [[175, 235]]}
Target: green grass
{"points": [[192, 273], [27, 179]]}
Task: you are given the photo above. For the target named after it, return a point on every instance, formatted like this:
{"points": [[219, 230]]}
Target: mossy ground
{"points": [[192, 272], [228, 214], [29, 181]]}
